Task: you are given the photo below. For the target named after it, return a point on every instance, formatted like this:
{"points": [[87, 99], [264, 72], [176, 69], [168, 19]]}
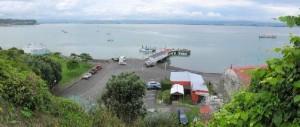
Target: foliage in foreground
{"points": [[273, 98], [25, 99], [124, 96]]}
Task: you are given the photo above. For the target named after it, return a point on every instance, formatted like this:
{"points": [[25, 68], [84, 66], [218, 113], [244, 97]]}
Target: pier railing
{"points": [[165, 53]]}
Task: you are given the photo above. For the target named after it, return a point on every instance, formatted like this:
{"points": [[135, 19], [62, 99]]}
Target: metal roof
{"points": [[196, 80], [177, 89]]}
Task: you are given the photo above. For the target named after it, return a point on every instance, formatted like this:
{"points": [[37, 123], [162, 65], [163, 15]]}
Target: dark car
{"points": [[182, 117], [115, 59], [98, 67]]}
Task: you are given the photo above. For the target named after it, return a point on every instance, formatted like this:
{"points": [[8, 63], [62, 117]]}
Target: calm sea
{"points": [[214, 48]]}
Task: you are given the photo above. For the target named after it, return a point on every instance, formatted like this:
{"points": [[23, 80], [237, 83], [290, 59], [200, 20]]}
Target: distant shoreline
{"points": [[13, 22], [171, 22]]}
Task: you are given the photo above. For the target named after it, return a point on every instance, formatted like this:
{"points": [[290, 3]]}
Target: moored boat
{"points": [[267, 36]]}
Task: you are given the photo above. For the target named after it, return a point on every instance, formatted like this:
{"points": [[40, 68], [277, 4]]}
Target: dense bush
{"points": [[160, 120], [47, 68], [166, 96], [124, 96], [25, 99], [85, 57], [104, 118], [70, 114], [72, 64], [22, 88], [166, 84]]}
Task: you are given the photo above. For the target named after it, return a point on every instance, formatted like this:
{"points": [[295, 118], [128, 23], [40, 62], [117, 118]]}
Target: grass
{"points": [[69, 75]]}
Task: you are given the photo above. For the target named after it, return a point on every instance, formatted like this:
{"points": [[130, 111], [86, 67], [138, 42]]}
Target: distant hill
{"points": [[18, 22], [184, 22]]}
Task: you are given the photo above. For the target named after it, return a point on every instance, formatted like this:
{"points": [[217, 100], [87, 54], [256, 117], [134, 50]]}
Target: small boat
{"points": [[64, 31], [110, 40], [267, 36], [147, 49]]}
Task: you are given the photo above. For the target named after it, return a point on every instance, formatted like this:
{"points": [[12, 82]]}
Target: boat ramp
{"points": [[164, 54]]}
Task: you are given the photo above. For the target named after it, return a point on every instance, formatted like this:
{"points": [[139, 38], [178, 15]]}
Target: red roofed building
{"points": [[236, 78], [192, 83]]}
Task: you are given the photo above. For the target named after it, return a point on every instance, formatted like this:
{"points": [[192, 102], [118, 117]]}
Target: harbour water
{"points": [[214, 48]]}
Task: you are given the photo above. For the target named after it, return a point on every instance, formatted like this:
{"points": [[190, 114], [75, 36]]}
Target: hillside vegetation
{"points": [[25, 99]]}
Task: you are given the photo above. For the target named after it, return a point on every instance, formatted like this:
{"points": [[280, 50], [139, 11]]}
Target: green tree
{"points": [[47, 68], [73, 55], [166, 84], [85, 57], [23, 88], [124, 96], [273, 98], [72, 64]]}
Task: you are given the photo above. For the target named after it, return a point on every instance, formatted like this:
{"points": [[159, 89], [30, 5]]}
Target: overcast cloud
{"points": [[149, 9]]}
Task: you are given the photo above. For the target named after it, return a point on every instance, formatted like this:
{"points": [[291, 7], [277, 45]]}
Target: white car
{"points": [[153, 85], [122, 60], [87, 76]]}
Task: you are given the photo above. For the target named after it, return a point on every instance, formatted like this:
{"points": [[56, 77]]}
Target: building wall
{"points": [[231, 82]]}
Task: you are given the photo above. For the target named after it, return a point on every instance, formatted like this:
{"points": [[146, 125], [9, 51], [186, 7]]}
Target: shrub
{"points": [[85, 57], [124, 96], [70, 114], [104, 118], [166, 84], [166, 96], [72, 64], [23, 89], [47, 68], [160, 120]]}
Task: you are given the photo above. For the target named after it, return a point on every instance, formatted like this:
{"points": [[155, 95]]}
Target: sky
{"points": [[251, 10]]}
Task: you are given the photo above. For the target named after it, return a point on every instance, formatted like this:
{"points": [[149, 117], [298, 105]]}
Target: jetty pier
{"points": [[153, 59]]}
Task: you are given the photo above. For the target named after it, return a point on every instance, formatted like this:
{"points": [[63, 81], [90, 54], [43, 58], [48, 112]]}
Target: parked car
{"points": [[115, 59], [86, 76], [182, 117], [98, 67], [153, 85], [94, 71], [122, 60]]}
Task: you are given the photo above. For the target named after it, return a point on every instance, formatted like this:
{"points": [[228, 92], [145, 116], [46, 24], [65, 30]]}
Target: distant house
{"points": [[192, 83], [235, 78]]}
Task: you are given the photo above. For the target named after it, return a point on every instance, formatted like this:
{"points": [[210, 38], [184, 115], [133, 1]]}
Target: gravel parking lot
{"points": [[94, 87]]}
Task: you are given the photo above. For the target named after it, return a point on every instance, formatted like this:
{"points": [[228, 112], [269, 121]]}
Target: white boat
{"points": [[147, 49], [36, 49]]}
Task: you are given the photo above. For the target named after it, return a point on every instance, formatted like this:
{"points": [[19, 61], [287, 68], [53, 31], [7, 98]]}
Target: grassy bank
{"points": [[69, 75]]}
